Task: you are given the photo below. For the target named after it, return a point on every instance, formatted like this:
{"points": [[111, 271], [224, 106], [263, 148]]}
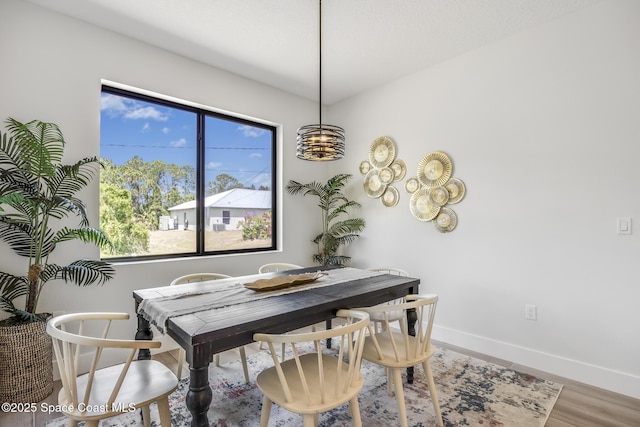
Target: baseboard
{"points": [[576, 370]]}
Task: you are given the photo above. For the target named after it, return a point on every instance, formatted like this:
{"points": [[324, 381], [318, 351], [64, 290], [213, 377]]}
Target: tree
{"points": [[333, 204], [117, 221], [222, 183], [32, 168]]}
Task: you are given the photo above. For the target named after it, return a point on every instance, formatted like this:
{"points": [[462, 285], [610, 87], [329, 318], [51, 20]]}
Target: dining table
{"points": [[209, 317]]}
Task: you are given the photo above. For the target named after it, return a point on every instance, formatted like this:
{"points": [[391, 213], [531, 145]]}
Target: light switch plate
{"points": [[624, 225]]}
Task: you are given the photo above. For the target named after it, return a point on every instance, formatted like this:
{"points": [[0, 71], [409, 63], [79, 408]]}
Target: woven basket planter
{"points": [[25, 363]]}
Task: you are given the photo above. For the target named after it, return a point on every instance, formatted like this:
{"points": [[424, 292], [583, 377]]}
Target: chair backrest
{"points": [[391, 270], [198, 277], [332, 375], [395, 342], [277, 266], [71, 340]]}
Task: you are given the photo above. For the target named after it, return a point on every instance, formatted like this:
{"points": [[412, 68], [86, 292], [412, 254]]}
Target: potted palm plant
{"points": [[37, 192], [336, 229]]}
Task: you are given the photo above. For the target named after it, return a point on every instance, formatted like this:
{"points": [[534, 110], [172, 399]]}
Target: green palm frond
{"points": [[82, 272], [20, 237], [38, 187], [41, 145], [333, 204], [85, 234], [69, 179], [10, 199], [12, 287]]}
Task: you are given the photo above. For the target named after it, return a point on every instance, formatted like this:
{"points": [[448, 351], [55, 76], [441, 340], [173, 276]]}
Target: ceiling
{"points": [[365, 42]]}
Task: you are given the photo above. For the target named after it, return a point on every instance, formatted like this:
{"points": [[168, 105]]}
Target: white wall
{"points": [[544, 129], [52, 67]]}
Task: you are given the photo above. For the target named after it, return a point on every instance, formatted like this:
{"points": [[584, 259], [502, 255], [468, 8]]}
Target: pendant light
{"points": [[320, 142]]}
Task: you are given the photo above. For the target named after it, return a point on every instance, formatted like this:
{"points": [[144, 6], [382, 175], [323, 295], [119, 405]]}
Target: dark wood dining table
{"points": [[207, 332]]}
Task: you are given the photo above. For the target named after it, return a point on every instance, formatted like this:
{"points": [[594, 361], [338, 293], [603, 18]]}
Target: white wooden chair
{"points": [[377, 317], [277, 266], [201, 277], [395, 349], [197, 277], [314, 382], [105, 392]]}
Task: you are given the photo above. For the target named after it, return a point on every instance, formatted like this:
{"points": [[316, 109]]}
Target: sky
{"points": [[130, 127]]}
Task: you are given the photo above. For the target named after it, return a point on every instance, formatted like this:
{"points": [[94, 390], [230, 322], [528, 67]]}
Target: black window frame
{"points": [[202, 113]]}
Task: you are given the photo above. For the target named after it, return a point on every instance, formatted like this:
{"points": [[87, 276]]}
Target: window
{"points": [[183, 181]]}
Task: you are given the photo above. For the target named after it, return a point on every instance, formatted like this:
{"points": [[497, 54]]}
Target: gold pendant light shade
{"points": [[320, 142]]}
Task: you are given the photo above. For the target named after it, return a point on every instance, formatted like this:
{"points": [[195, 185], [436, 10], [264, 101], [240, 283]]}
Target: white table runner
{"points": [[226, 292]]}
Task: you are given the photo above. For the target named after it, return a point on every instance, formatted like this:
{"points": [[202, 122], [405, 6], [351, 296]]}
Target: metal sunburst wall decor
{"points": [[433, 189], [382, 170]]}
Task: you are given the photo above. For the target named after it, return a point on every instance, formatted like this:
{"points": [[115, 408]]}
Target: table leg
{"points": [[144, 332], [412, 318], [199, 396], [328, 325]]}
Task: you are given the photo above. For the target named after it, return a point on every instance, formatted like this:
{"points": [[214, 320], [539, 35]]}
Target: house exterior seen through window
{"points": [[183, 181]]}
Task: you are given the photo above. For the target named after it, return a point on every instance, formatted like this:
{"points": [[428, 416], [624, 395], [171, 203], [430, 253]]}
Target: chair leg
{"points": [[71, 422], [354, 410], [90, 423], [164, 412], [245, 368], [309, 420], [397, 382], [218, 360], [146, 416], [432, 391], [181, 357], [266, 411]]}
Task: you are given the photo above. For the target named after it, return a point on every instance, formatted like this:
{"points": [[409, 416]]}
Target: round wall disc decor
{"points": [[373, 185], [434, 169], [365, 167], [382, 152], [390, 197], [446, 220], [411, 185], [399, 169], [456, 190], [422, 206]]}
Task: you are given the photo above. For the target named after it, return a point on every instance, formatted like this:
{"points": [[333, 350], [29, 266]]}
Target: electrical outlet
{"points": [[530, 312]]}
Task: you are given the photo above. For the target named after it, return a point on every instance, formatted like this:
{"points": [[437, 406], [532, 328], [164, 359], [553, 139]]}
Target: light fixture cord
{"points": [[320, 66]]}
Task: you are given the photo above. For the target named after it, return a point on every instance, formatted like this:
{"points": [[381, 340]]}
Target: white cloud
{"points": [[146, 113], [129, 108], [213, 165], [251, 131], [146, 127], [165, 130], [255, 155], [179, 143], [113, 104]]}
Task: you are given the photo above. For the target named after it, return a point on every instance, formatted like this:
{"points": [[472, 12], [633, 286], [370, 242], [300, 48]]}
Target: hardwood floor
{"points": [[579, 405]]}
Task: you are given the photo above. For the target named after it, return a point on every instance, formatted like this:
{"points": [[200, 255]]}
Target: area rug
{"points": [[471, 392]]}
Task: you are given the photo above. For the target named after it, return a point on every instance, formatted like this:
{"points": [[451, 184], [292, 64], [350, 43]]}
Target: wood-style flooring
{"points": [[579, 405]]}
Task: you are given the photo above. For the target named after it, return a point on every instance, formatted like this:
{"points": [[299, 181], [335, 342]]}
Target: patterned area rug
{"points": [[471, 393]]}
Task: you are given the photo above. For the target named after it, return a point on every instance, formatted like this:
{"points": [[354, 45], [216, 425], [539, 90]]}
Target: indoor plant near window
{"points": [[336, 231], [37, 192]]}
